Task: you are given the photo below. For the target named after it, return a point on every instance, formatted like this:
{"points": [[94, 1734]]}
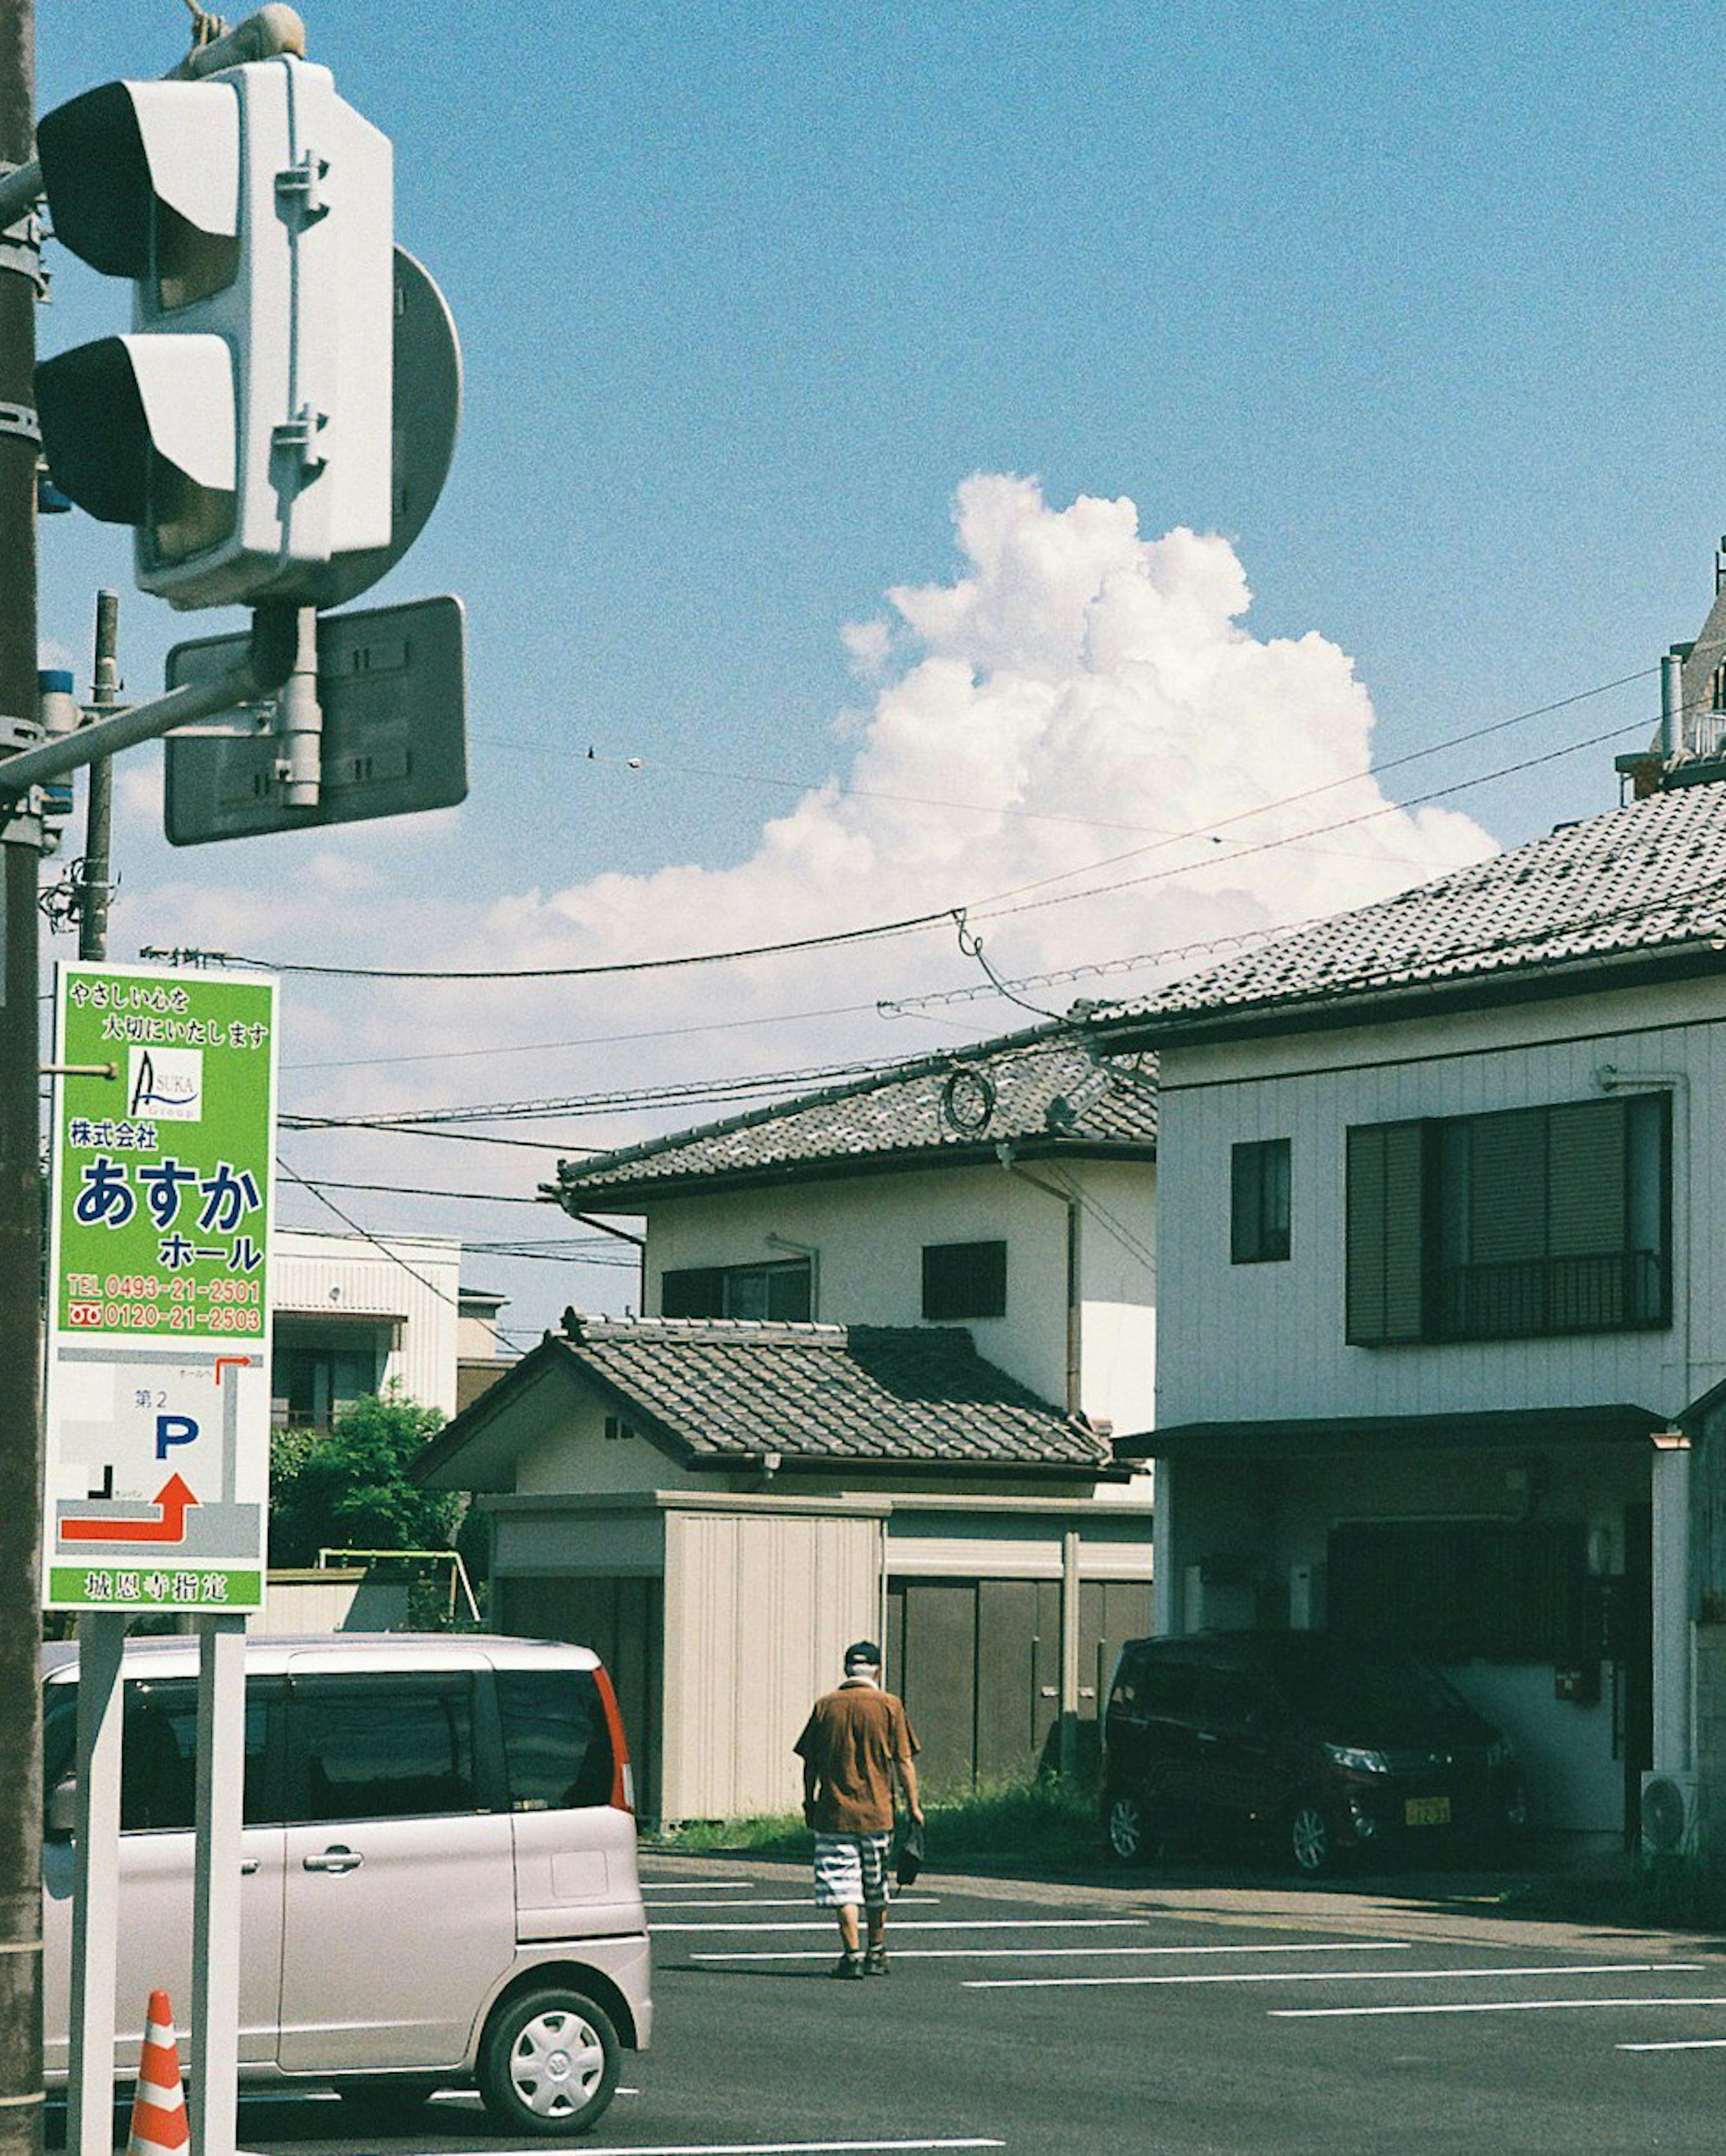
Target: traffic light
{"points": [[244, 427]]}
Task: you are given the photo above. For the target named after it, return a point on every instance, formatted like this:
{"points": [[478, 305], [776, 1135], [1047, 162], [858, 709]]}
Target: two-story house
{"points": [[1442, 1305], [885, 1327]]}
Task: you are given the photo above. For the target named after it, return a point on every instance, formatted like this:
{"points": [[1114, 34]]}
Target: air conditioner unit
{"points": [[1668, 1814]]}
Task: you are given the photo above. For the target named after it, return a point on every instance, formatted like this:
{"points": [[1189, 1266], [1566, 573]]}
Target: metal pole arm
{"points": [[267, 664]]}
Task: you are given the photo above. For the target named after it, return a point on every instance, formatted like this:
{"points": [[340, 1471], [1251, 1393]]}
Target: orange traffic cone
{"points": [[159, 2123]]}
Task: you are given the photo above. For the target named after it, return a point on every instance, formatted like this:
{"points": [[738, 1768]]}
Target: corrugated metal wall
{"points": [[759, 1613]]}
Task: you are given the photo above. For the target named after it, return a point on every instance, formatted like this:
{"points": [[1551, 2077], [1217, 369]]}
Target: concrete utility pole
{"points": [[20, 1177]]}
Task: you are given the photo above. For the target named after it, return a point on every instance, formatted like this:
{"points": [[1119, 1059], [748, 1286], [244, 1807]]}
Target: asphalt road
{"points": [[1096, 2021]]}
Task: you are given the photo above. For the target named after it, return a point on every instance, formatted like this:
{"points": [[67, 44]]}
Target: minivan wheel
{"points": [[1311, 1845], [549, 2063], [1126, 1828]]}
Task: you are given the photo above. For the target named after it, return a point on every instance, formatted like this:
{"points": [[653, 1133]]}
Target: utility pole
{"points": [[92, 881], [21, 2131]]}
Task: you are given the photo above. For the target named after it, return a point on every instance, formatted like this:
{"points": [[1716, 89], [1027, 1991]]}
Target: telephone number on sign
{"points": [[154, 1317], [132, 1287]]}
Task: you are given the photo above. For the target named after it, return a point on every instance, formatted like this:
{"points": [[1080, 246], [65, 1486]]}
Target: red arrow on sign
{"points": [[174, 1500]]}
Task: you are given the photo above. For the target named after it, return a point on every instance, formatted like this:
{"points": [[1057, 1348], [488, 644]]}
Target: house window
{"points": [[1533, 1223], [964, 1280], [778, 1291], [312, 1380], [1258, 1231]]}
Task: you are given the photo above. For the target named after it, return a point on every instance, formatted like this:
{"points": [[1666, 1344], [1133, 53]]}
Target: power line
{"points": [[414, 1190], [588, 1040], [993, 910], [995, 906], [348, 1221]]}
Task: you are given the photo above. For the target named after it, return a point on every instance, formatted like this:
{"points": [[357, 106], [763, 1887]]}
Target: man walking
{"points": [[855, 1742]]}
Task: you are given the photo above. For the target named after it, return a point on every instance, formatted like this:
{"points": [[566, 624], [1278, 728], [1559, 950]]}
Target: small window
{"points": [[556, 1743], [383, 1746], [1259, 1212], [964, 1280], [780, 1291]]}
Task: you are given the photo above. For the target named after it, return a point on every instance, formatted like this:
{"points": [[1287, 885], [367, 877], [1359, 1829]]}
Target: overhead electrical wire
{"points": [[996, 905]]}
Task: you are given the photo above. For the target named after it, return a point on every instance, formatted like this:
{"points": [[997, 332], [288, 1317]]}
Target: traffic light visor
{"points": [[140, 430], [130, 154]]}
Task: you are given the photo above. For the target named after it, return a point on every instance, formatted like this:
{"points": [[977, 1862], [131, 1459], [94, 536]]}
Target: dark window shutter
{"points": [[1404, 1231], [1385, 1291], [1507, 1189], [964, 1280], [1364, 1295], [693, 1291], [1585, 1179]]}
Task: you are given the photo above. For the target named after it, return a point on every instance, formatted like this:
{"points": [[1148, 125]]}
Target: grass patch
{"points": [[1047, 1821]]}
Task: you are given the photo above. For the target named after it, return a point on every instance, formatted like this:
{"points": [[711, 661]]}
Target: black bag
{"points": [[908, 1855]]}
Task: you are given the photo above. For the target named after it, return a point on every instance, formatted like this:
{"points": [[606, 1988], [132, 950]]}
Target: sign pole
{"points": [[95, 1891], [216, 1906]]}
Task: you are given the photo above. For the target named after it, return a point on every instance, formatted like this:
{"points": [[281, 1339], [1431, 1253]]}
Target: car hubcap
{"points": [[1125, 1832], [557, 2065], [1310, 1839]]}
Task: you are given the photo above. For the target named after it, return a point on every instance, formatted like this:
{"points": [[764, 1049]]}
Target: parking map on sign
{"points": [[157, 1490]]}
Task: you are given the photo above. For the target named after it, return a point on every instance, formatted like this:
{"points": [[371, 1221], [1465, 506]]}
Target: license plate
{"points": [[1426, 1811]]}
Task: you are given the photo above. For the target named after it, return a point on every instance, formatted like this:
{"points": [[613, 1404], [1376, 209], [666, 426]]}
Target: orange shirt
{"points": [[853, 1738]]}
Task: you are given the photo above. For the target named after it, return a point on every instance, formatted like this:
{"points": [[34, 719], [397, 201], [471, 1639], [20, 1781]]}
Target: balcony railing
{"points": [[1532, 1298]]}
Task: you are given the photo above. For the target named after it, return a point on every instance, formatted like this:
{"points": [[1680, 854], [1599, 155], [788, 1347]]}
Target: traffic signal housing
{"points": [[244, 427]]}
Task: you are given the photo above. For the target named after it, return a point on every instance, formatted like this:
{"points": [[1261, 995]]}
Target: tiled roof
{"points": [[898, 1395], [1644, 881], [1048, 1093]]}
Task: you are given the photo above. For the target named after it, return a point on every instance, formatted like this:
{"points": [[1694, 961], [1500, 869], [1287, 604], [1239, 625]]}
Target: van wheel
{"points": [[549, 2063], [1311, 1846], [1127, 1829]]}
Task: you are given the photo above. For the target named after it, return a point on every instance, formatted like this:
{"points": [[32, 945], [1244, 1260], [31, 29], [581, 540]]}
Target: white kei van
{"points": [[438, 1857]]}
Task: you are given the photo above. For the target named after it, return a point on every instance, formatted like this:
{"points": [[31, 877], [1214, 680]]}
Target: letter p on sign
{"points": [[172, 1429]]}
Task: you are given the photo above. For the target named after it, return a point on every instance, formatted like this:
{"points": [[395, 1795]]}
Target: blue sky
{"points": [[1408, 307]]}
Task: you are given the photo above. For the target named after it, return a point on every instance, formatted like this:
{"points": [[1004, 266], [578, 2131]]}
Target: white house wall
{"points": [[1263, 1342], [869, 1232], [410, 1283], [575, 1457]]}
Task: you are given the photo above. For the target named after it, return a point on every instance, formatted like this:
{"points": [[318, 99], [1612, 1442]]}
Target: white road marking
{"points": [[1338, 1976], [791, 1902], [1052, 1954], [695, 1885], [1476, 2006], [1682, 2044], [766, 2148], [943, 1924]]}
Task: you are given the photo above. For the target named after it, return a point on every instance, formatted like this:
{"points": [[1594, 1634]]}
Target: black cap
{"points": [[862, 1655]]}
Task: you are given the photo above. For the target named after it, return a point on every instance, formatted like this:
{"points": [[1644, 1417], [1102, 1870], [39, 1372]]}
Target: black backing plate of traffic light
{"points": [[392, 682]]}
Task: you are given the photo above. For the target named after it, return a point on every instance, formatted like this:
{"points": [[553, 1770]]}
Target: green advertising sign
{"points": [[158, 1422]]}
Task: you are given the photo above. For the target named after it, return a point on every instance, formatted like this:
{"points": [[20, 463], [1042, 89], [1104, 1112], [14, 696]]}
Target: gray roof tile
{"points": [[1648, 878], [1047, 1089], [901, 1393]]}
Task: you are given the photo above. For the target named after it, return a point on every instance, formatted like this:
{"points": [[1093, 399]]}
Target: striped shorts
{"points": [[851, 1870]]}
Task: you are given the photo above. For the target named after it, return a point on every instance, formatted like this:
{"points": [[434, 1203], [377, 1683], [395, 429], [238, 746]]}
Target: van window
{"points": [[159, 1770], [384, 1746], [556, 1744]]}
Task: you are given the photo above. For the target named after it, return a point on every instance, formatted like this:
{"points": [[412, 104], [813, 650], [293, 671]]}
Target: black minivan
{"points": [[1320, 1746]]}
